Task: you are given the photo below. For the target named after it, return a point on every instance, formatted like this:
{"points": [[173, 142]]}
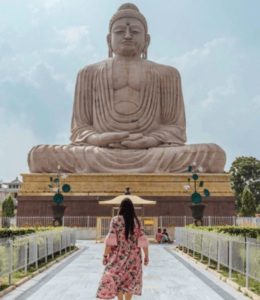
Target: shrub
{"points": [[250, 232], [8, 207]]}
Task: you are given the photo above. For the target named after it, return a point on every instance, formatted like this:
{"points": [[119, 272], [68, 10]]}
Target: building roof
{"points": [[15, 181]]}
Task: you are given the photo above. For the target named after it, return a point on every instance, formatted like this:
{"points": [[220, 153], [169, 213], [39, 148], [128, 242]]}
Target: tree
{"points": [[8, 207], [248, 205], [245, 171], [258, 209]]}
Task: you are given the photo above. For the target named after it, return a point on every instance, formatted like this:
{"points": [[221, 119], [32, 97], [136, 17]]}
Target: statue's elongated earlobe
{"points": [[110, 50], [144, 53]]}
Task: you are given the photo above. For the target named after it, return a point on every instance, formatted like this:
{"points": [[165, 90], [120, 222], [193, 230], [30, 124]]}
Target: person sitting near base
{"points": [[159, 235], [165, 237]]}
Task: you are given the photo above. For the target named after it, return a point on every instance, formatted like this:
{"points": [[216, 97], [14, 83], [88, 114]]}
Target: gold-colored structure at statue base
{"points": [[114, 184]]}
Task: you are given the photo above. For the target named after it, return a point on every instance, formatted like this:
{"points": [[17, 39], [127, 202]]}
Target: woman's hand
{"points": [[146, 260], [105, 260]]}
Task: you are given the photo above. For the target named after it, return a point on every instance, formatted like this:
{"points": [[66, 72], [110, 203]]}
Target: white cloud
{"points": [[47, 5], [62, 138], [74, 40], [219, 93], [73, 35], [256, 101], [42, 75], [195, 56], [16, 141], [222, 100]]}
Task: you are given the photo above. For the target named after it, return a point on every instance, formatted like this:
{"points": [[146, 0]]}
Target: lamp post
{"points": [[127, 191], [197, 207], [58, 208]]}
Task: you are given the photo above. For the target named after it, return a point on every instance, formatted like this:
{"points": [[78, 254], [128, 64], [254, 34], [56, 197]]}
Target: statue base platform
{"points": [[36, 199]]}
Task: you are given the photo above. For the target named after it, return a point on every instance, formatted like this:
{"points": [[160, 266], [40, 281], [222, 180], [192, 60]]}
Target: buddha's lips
{"points": [[128, 43]]}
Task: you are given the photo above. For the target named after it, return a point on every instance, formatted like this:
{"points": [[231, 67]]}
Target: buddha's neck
{"points": [[126, 58]]}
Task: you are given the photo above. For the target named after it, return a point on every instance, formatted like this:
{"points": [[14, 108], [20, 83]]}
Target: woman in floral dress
{"points": [[122, 276]]}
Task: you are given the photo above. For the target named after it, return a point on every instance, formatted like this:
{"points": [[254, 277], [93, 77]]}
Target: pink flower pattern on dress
{"points": [[123, 271]]}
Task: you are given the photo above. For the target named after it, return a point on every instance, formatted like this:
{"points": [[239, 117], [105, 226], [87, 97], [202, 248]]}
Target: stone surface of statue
{"points": [[128, 114]]}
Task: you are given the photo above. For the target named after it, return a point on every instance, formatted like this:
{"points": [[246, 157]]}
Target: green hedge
{"points": [[250, 232], [10, 233]]}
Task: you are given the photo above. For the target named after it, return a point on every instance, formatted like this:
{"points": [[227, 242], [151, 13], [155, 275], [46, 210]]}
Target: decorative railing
{"points": [[235, 253], [91, 221], [19, 253]]}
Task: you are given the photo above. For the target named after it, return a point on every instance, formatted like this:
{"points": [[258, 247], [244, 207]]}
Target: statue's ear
{"points": [[109, 40], [147, 40], [145, 50], [110, 51]]}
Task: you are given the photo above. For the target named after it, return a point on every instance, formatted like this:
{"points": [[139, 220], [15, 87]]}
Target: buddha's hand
{"points": [[140, 142], [107, 138]]}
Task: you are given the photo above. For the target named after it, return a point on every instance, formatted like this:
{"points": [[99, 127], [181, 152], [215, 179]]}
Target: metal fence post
{"points": [[63, 221], [201, 248], [194, 243], [229, 259], [66, 244], [10, 266], [187, 242], [182, 240], [25, 256], [60, 242], [185, 221], [53, 239], [209, 221], [36, 253], [70, 233], [234, 221], [247, 264], [160, 221], [218, 255], [209, 252], [46, 249]]}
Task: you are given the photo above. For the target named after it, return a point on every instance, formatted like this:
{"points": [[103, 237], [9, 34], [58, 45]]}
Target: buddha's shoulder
{"points": [[93, 67], [163, 69]]}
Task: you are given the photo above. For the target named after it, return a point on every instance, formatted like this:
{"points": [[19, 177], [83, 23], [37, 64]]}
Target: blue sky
{"points": [[214, 44]]}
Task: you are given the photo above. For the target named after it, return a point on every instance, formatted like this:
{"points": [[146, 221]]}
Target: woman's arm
{"points": [[106, 253], [107, 250], [146, 256], [143, 243], [110, 240]]}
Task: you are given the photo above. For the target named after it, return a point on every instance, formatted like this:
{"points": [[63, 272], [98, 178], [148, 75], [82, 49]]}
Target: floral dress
{"points": [[123, 271]]}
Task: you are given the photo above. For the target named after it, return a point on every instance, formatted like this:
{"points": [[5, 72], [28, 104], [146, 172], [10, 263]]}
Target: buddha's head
{"points": [[128, 33]]}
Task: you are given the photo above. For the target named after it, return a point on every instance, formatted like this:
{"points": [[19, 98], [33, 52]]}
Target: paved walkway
{"points": [[169, 276]]}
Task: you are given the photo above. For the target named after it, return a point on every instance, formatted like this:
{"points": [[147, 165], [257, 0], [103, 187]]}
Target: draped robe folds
{"points": [[160, 113]]}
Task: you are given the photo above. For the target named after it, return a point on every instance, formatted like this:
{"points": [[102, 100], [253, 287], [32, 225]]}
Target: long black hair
{"points": [[128, 212]]}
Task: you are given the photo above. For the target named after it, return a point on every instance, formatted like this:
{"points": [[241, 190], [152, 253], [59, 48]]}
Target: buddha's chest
{"points": [[127, 75], [127, 85]]}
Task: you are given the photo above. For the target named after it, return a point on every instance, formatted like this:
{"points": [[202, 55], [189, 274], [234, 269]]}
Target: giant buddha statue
{"points": [[128, 113]]}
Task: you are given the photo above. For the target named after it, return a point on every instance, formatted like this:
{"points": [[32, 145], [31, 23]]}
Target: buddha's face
{"points": [[128, 37]]}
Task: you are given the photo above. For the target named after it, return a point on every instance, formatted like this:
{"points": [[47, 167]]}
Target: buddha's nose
{"points": [[128, 34]]}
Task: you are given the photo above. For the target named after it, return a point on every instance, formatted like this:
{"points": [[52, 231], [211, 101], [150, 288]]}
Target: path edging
{"points": [[230, 282], [44, 268]]}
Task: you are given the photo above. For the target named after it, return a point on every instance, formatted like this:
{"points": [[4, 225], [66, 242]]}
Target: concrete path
{"points": [[168, 277]]}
